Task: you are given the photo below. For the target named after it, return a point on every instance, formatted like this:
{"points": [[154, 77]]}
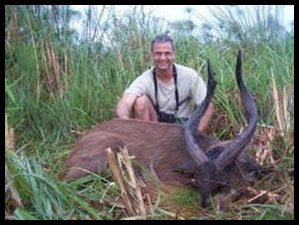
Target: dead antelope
{"points": [[176, 153]]}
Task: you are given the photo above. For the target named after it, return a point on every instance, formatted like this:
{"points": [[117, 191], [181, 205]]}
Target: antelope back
{"points": [[159, 144]]}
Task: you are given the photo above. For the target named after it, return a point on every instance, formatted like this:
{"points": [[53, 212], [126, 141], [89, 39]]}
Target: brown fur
{"points": [[159, 144]]}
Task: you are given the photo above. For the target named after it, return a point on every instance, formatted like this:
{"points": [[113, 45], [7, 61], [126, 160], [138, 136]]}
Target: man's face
{"points": [[162, 55]]}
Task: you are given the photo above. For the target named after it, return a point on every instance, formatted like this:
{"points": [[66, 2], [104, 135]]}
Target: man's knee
{"points": [[144, 109], [142, 103]]}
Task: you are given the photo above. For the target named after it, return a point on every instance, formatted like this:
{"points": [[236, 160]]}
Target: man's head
{"points": [[162, 52]]}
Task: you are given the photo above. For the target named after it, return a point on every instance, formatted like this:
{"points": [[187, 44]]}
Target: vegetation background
{"points": [[59, 83]]}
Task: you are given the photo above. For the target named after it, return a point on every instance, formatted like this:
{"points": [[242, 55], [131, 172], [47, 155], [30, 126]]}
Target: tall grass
{"points": [[55, 91]]}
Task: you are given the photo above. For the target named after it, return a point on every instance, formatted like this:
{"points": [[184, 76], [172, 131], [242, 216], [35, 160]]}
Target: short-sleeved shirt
{"points": [[191, 87]]}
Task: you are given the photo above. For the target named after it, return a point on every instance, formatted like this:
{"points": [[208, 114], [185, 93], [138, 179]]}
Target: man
{"points": [[164, 92]]}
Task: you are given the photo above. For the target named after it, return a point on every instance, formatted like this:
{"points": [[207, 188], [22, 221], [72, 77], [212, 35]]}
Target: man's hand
{"points": [[124, 106]]}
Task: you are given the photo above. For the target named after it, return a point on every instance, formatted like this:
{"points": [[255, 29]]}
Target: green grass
{"points": [[46, 123]]}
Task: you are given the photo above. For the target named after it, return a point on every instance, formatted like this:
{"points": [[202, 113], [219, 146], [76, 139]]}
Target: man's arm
{"points": [[205, 119], [124, 106]]}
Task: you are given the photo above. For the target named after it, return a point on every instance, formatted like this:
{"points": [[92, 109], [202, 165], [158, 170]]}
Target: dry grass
{"points": [[123, 173], [12, 198]]}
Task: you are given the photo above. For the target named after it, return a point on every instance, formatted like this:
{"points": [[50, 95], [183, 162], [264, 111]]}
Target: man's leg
{"points": [[143, 109], [205, 119]]}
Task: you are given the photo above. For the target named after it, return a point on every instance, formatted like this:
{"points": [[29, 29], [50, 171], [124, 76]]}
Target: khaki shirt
{"points": [[190, 86]]}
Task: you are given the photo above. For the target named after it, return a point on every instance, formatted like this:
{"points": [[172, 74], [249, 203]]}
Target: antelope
{"points": [[175, 152]]}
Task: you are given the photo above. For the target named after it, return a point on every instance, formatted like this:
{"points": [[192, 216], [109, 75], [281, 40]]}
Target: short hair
{"points": [[162, 38]]}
